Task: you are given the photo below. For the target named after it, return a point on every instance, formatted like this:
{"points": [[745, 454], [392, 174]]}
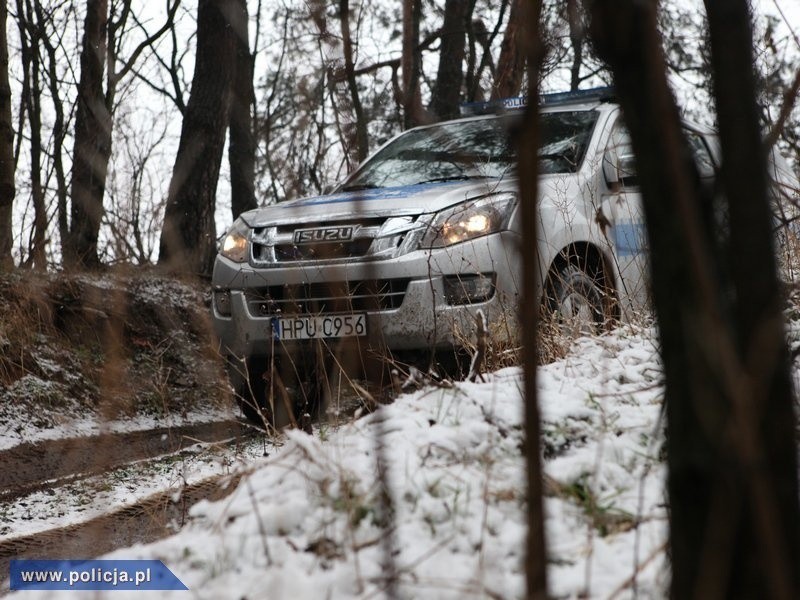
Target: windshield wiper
{"points": [[452, 178], [358, 187]]}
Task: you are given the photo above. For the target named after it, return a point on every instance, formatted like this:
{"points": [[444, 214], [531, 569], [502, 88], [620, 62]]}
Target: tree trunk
{"points": [[92, 143], [59, 131], [528, 145], [450, 76], [475, 92], [38, 250], [7, 187], [511, 64], [242, 141], [30, 31], [760, 464], [189, 233], [38, 255], [577, 35], [362, 137], [730, 427], [410, 64]]}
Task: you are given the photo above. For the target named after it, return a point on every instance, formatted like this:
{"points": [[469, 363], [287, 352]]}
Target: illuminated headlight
{"points": [[234, 243], [469, 221]]}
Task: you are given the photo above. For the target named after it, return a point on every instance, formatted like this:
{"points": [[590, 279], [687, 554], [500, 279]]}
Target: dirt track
{"points": [[34, 466], [47, 465], [145, 521]]}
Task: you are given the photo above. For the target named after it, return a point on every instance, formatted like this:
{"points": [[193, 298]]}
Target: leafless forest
{"points": [[131, 136], [309, 90]]}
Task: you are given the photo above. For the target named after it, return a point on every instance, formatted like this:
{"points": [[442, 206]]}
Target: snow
{"points": [[73, 425], [308, 522], [87, 497]]}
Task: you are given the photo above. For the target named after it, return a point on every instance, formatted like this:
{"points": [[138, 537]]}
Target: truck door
{"points": [[622, 220], [621, 209]]}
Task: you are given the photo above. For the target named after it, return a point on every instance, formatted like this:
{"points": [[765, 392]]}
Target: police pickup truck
{"points": [[424, 234]]}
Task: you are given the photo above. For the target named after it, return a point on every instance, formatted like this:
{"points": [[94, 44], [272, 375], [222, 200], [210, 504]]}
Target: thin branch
{"points": [[789, 97], [789, 101], [152, 39]]}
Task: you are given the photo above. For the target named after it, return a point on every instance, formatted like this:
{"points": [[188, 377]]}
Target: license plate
{"points": [[309, 328]]}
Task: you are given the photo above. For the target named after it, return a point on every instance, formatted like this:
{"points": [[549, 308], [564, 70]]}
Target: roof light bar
{"points": [[600, 94], [471, 109]]}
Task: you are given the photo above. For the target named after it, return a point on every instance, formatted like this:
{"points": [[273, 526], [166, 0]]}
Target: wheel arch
{"points": [[591, 259]]}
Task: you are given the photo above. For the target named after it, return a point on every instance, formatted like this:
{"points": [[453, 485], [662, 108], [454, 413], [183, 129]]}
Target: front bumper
{"points": [[423, 318]]}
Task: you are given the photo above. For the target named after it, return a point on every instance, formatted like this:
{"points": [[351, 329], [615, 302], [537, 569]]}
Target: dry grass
{"points": [[111, 344]]}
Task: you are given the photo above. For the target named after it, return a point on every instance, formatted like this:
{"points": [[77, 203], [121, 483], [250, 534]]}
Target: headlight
{"points": [[469, 221], [234, 243]]}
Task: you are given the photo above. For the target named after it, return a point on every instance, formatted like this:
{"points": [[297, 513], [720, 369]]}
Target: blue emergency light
{"points": [[599, 94]]}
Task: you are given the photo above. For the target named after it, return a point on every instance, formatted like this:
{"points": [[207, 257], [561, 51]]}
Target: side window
{"points": [[619, 164]]}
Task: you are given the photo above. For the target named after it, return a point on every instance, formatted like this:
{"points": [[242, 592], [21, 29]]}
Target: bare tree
{"points": [[765, 561], [92, 146], [450, 76], [134, 205], [50, 41], [475, 69], [362, 139], [411, 64], [7, 187], [577, 37], [528, 145], [172, 67], [242, 141], [293, 124], [511, 63], [189, 233], [31, 33], [101, 45], [731, 441]]}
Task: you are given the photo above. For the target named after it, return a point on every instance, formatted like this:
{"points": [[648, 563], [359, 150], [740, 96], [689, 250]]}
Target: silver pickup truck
{"points": [[423, 235]]}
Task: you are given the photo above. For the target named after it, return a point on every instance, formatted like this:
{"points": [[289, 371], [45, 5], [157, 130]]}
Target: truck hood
{"points": [[410, 200]]}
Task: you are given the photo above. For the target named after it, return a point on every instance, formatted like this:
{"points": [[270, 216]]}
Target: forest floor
{"points": [[119, 438], [112, 399]]}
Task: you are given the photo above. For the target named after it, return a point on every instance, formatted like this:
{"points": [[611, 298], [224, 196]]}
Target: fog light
{"points": [[468, 289], [222, 302]]}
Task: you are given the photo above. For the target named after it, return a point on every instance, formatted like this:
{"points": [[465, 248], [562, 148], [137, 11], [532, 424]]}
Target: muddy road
{"points": [[34, 466], [71, 498], [151, 519]]}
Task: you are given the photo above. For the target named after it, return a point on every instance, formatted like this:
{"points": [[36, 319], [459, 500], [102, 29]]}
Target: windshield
{"points": [[473, 150]]}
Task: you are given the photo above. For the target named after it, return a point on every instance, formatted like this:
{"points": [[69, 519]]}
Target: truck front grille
{"points": [[367, 238], [327, 298], [322, 250]]}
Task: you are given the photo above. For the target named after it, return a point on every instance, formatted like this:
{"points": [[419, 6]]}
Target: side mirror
{"points": [[619, 169], [611, 167], [627, 168]]}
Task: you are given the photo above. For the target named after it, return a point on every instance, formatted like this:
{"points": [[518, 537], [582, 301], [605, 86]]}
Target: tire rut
{"points": [[146, 521], [31, 467]]}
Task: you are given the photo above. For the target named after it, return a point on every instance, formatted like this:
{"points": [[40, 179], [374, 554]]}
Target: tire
{"points": [[265, 398], [580, 303]]}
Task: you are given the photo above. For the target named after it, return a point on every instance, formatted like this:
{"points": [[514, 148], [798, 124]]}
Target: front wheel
{"points": [[579, 302], [272, 397]]}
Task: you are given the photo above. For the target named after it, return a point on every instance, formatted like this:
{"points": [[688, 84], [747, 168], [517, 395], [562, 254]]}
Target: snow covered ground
{"points": [[72, 424], [87, 497], [308, 521]]}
